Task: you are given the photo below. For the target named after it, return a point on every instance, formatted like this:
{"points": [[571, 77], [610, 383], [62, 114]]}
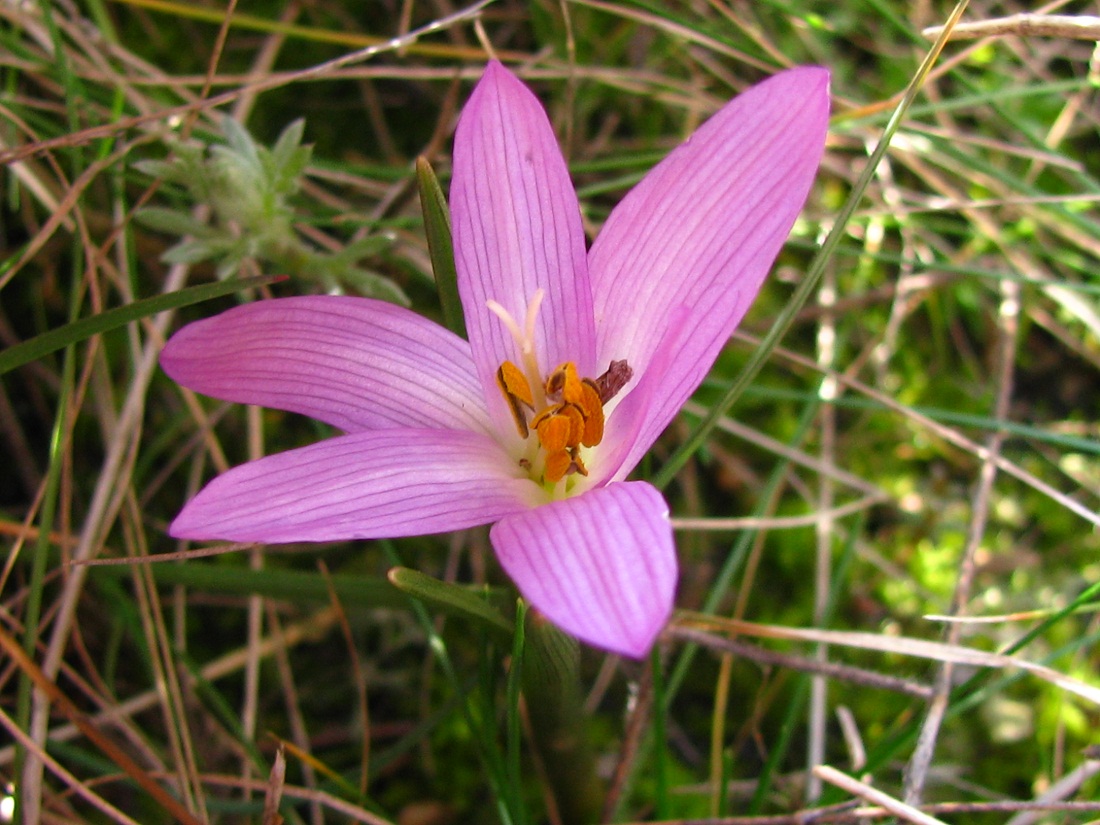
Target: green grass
{"points": [[920, 441]]}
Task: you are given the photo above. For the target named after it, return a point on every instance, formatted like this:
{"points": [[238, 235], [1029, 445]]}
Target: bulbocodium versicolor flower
{"points": [[576, 360]]}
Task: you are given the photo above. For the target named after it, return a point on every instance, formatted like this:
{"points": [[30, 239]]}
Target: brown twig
{"points": [[1026, 24], [848, 812], [859, 676], [266, 84], [637, 721], [109, 749]]}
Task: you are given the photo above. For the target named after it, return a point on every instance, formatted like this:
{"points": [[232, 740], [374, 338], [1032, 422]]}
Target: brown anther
{"points": [[618, 375]]}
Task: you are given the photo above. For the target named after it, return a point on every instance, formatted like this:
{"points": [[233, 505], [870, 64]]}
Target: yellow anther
{"points": [[517, 392]]}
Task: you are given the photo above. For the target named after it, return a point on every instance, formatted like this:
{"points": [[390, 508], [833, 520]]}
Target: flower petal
{"points": [[517, 229], [601, 566], [633, 426], [380, 484], [355, 363], [695, 238]]}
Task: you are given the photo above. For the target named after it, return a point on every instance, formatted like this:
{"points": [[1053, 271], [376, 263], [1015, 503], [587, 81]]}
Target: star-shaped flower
{"points": [[576, 361]]}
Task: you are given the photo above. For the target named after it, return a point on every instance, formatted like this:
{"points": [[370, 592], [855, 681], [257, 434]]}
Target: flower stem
{"points": [[551, 687]]}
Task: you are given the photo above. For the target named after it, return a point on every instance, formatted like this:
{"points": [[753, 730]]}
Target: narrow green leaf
{"points": [[287, 160], [373, 285], [171, 221], [155, 168], [513, 751], [451, 598], [292, 585], [55, 339], [242, 144], [437, 227], [365, 247], [193, 251], [288, 143]]}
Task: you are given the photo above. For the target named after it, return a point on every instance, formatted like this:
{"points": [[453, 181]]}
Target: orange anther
{"points": [[565, 385], [592, 408], [517, 392], [513, 382], [557, 465], [573, 418], [559, 428]]}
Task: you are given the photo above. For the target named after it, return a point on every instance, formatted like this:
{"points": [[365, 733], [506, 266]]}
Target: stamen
{"points": [[517, 392], [559, 428], [557, 466], [592, 406], [618, 375], [570, 409]]}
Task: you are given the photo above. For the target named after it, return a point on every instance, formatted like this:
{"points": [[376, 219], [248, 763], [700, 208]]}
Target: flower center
{"points": [[563, 412]]}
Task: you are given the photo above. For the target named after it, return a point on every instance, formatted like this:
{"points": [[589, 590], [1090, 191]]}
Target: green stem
{"points": [[555, 707]]}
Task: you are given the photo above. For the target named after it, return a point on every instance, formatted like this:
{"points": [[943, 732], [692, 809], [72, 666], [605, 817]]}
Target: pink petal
{"points": [[517, 229], [631, 428], [694, 240], [379, 484], [602, 566], [355, 363]]}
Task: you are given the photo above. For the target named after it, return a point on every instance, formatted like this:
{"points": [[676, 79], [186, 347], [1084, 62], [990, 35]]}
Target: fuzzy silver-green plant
{"points": [[248, 188]]}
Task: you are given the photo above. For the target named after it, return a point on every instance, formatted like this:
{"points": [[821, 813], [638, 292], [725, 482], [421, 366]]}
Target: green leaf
{"points": [[437, 227], [287, 160], [186, 168], [293, 585], [55, 339], [156, 168], [365, 247], [373, 285], [288, 143], [171, 221], [242, 145], [192, 251], [458, 601]]}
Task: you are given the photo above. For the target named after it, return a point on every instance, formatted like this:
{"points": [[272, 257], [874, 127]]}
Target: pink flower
{"points": [[576, 361]]}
